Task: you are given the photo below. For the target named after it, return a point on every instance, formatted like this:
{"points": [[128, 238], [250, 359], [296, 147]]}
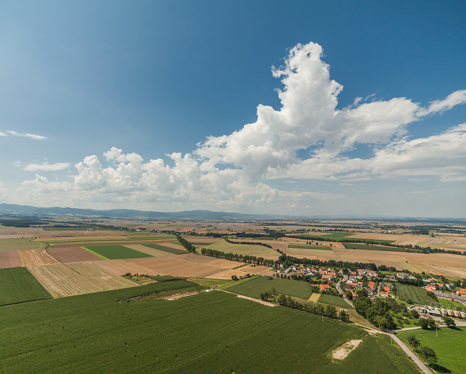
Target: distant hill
{"points": [[128, 213]]}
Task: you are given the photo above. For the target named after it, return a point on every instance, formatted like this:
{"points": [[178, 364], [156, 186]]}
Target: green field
{"points": [[416, 294], [16, 244], [212, 332], [375, 247], [448, 345], [308, 246], [112, 252], [18, 285], [167, 249], [332, 236], [256, 286], [243, 249], [334, 300]]}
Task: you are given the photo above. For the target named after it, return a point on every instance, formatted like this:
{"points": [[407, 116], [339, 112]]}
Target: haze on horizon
{"points": [[302, 109]]}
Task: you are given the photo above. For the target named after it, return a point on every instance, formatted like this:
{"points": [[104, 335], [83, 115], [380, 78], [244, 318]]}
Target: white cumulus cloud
{"points": [[232, 171]]}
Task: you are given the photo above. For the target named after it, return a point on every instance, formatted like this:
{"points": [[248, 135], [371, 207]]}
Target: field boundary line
{"points": [[95, 253]]}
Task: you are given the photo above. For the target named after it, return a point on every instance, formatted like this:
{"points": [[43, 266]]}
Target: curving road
{"points": [[345, 277]]}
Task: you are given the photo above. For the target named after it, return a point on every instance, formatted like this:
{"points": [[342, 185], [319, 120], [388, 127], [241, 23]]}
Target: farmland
{"points": [[256, 286], [376, 247], [308, 246], [244, 249], [35, 257], [334, 300], [9, 259], [14, 244], [203, 333], [116, 251], [77, 278], [448, 345], [71, 254], [176, 251], [18, 285], [416, 294]]}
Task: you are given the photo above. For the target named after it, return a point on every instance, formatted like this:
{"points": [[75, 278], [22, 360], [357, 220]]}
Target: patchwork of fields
{"points": [[209, 333]]}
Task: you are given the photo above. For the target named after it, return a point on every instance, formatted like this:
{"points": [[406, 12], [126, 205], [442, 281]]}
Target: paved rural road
{"points": [[418, 362], [345, 277]]}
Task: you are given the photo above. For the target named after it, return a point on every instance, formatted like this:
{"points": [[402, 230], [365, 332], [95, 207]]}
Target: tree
{"points": [[415, 314], [414, 341], [423, 323], [431, 322], [349, 295], [344, 316], [428, 355], [449, 321], [282, 299], [234, 277]]}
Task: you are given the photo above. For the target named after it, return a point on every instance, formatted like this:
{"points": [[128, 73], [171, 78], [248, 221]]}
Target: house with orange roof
{"points": [[430, 288], [384, 294], [387, 288], [324, 287], [371, 285], [461, 292]]}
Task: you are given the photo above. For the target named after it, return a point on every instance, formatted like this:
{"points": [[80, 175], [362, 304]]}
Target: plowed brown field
{"points": [[9, 259], [121, 267], [35, 257], [77, 278], [72, 254]]}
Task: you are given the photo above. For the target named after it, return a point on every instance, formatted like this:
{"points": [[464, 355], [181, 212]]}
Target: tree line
{"points": [[186, 244]]}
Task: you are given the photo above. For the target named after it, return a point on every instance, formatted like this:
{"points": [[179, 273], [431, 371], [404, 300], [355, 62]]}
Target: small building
{"points": [[461, 292]]}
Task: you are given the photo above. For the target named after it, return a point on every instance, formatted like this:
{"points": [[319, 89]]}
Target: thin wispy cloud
{"points": [[47, 167], [27, 135]]}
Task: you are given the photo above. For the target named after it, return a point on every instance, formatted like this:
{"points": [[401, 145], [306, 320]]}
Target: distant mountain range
{"points": [[14, 209]]}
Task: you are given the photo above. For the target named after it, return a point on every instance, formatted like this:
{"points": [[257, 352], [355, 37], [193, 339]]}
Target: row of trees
{"points": [[236, 257], [327, 311], [186, 244], [249, 243], [425, 352]]}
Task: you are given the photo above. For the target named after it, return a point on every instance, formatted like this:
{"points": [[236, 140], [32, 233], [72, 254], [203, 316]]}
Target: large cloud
{"points": [[233, 170]]}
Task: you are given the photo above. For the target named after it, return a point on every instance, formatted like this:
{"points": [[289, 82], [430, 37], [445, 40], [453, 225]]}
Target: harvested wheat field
{"points": [[9, 259], [77, 278], [197, 258], [173, 265], [444, 263], [275, 244], [121, 267], [150, 251], [36, 257], [72, 254]]}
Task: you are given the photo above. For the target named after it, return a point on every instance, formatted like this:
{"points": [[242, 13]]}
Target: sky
{"points": [[309, 108]]}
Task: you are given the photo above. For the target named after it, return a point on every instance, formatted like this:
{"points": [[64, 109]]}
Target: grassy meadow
{"points": [[289, 287], [448, 345], [416, 294], [18, 285], [334, 300], [212, 332]]}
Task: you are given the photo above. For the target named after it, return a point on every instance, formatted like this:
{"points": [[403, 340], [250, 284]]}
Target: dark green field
{"points": [[416, 294], [208, 333], [373, 247], [256, 286], [113, 252], [308, 246], [347, 236], [334, 300], [448, 345], [18, 285], [64, 228], [167, 249]]}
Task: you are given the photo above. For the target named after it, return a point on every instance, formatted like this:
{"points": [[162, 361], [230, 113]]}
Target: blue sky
{"points": [[144, 105]]}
